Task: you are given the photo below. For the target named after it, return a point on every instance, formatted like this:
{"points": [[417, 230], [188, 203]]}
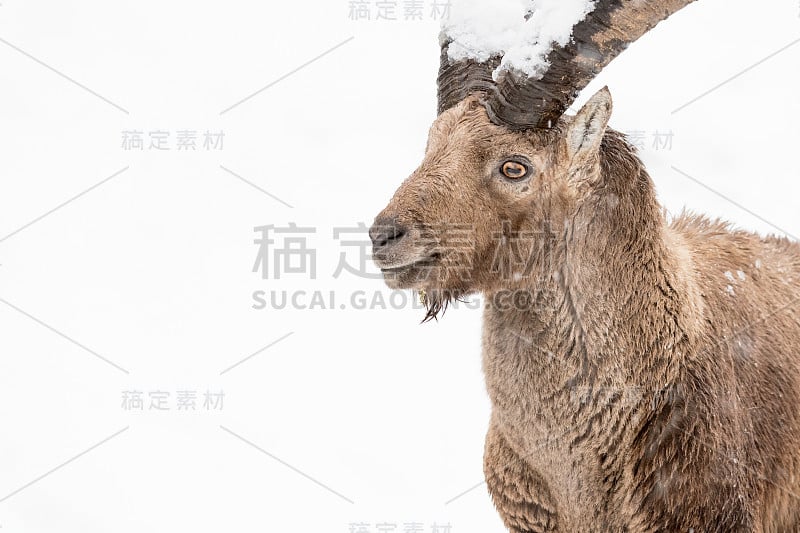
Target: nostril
{"points": [[400, 233], [380, 240], [394, 233], [385, 231]]}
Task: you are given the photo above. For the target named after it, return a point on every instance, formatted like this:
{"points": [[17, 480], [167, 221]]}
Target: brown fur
{"points": [[650, 379]]}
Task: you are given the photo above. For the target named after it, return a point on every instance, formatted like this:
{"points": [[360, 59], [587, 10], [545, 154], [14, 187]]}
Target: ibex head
{"points": [[502, 162]]}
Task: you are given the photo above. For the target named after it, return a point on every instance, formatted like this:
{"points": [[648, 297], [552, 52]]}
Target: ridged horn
{"points": [[520, 102]]}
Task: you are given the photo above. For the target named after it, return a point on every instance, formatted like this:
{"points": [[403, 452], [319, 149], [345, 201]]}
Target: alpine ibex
{"points": [[644, 374]]}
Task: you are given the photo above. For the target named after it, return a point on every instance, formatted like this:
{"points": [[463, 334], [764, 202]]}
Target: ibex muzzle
{"points": [[399, 250]]}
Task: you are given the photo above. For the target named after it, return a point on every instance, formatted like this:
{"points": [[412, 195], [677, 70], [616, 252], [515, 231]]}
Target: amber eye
{"points": [[514, 170]]}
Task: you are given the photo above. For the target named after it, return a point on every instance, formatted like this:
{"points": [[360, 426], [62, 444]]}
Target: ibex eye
{"points": [[514, 170]]}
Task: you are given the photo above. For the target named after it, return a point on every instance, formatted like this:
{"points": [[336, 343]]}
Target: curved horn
{"points": [[518, 101]]}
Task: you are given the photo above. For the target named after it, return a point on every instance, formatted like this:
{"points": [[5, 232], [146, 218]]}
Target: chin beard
{"points": [[437, 301]]}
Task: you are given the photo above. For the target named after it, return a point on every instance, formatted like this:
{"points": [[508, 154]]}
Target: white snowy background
{"points": [[145, 282]]}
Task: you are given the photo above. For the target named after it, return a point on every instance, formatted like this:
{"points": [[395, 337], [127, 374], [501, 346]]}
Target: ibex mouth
{"points": [[428, 260], [414, 273]]}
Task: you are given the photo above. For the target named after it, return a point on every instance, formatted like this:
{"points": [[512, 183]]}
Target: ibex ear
{"points": [[587, 128]]}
